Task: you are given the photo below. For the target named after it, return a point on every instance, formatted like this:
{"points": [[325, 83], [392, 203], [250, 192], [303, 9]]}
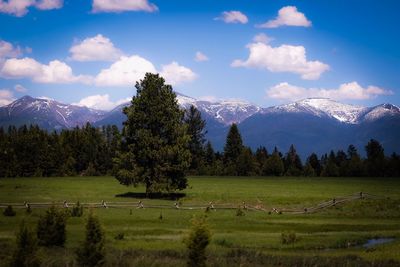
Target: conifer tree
{"points": [[92, 252], [375, 162], [293, 166], [51, 228], [197, 242], [156, 139], [232, 149], [273, 165], [25, 254], [195, 129]]}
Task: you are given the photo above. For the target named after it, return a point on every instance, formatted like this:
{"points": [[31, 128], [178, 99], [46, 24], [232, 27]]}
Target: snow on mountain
{"points": [[380, 111], [322, 107], [47, 112]]}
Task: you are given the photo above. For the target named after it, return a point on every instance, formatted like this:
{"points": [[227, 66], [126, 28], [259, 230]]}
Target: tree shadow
{"points": [[163, 196]]}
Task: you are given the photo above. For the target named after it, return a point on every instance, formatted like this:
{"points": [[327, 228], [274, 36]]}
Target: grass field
{"points": [[330, 237]]}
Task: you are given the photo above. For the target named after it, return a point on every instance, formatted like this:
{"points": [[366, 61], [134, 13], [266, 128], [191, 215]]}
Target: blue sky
{"points": [[90, 52]]}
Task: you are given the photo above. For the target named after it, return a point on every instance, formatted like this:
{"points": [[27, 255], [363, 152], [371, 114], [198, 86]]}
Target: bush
{"points": [[9, 211], [77, 210], [51, 228], [92, 252], [197, 241], [288, 238], [26, 251], [240, 212], [120, 236]]}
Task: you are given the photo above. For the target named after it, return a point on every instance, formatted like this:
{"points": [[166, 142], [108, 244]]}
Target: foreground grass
{"points": [[333, 236]]}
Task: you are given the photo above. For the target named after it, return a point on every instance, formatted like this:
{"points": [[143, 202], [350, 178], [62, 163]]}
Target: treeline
{"points": [[31, 151], [239, 160], [89, 151]]}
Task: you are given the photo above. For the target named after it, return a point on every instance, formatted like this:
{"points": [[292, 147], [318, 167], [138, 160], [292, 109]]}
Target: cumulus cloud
{"points": [[97, 48], [174, 73], [54, 72], [117, 6], [284, 58], [20, 88], [233, 17], [287, 16], [346, 91], [262, 38], [6, 97], [199, 57], [19, 8], [101, 102], [125, 72], [7, 50]]}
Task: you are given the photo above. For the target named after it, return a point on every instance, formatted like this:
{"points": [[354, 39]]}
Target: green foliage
{"points": [[292, 163], [375, 162], [51, 228], [92, 251], [120, 236], [197, 242], [288, 238], [156, 150], [273, 166], [240, 212], [9, 211], [195, 129], [77, 210], [232, 149], [25, 254]]}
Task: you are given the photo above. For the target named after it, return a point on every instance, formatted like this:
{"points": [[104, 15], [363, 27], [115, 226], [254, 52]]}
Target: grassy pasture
{"points": [[332, 236]]}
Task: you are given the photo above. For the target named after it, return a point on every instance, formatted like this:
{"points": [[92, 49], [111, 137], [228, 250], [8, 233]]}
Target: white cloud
{"points": [[97, 48], [233, 17], [284, 58], [262, 38], [351, 91], [20, 88], [199, 57], [7, 50], [19, 8], [49, 4], [125, 72], [287, 16], [101, 102], [55, 72], [174, 73], [6, 97], [122, 5]]}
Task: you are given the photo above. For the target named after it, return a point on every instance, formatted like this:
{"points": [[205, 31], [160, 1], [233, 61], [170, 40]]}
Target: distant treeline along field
{"points": [[89, 151]]}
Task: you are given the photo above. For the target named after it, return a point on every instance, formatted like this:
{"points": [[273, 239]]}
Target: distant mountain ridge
{"points": [[313, 124]]}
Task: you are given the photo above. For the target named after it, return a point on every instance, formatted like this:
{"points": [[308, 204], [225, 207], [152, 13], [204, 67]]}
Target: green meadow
{"points": [[154, 236]]}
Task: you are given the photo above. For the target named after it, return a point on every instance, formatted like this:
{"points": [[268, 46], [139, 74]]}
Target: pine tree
{"points": [[246, 163], [315, 163], [195, 129], [330, 168], [92, 252], [354, 166], [293, 166], [51, 228], [232, 150], [156, 139], [197, 242], [25, 254], [273, 165], [375, 162]]}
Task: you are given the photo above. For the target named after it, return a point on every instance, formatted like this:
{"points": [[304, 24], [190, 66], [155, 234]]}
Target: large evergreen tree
{"points": [[232, 150], [195, 129], [375, 162], [293, 166], [157, 153]]}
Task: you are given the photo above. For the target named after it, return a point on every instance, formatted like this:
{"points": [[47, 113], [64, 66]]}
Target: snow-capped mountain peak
{"points": [[323, 107]]}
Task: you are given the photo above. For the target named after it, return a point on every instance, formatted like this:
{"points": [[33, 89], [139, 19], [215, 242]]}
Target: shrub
{"points": [[77, 210], [92, 252], [288, 238], [26, 251], [120, 236], [197, 241], [9, 211], [240, 212], [51, 228]]}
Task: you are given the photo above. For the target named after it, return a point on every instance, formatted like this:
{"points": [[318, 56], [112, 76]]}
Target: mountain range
{"points": [[313, 125]]}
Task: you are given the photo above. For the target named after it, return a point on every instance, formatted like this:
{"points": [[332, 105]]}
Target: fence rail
{"points": [[210, 206]]}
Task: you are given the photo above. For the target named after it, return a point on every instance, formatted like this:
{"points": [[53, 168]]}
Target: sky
{"points": [[92, 52]]}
